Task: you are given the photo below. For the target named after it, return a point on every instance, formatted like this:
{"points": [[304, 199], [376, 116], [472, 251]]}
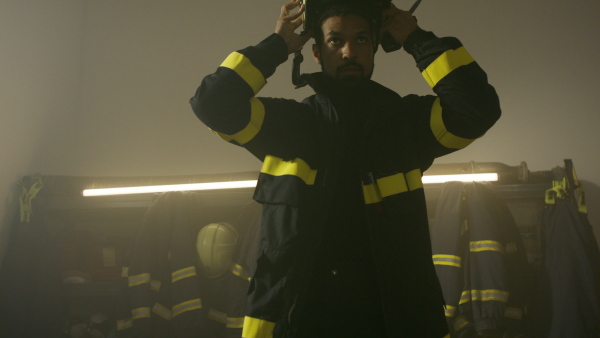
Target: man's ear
{"points": [[316, 52]]}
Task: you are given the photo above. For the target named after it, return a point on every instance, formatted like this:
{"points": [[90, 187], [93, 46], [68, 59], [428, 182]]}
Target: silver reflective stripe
{"points": [[183, 273], [124, 324], [221, 317], [450, 310], [513, 312], [449, 260], [459, 323], [240, 271], [140, 312], [139, 279], [478, 246], [186, 306], [235, 323], [162, 311], [155, 285], [484, 296], [217, 316]]}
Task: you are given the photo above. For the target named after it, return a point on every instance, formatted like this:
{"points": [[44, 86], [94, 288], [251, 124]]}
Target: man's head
{"points": [[344, 45]]}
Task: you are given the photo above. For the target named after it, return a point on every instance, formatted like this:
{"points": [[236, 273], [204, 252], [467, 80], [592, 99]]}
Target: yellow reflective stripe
{"points": [[190, 271], [139, 279], [235, 323], [240, 64], [124, 271], [140, 312], [399, 183], [124, 324], [257, 328], [257, 116], [162, 311], [372, 194], [459, 323], [478, 246], [450, 310], [240, 271], [414, 179], [276, 166], [155, 285], [221, 317], [189, 305], [483, 296], [513, 312], [444, 137], [217, 316], [445, 64], [450, 260], [392, 185]]}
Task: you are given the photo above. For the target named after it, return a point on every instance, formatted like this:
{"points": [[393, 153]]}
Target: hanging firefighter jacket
{"points": [[31, 303], [568, 297], [162, 293], [480, 261], [227, 299], [165, 296]]}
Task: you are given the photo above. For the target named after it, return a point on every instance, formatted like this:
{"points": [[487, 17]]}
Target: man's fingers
{"points": [[296, 22], [290, 17], [285, 9]]}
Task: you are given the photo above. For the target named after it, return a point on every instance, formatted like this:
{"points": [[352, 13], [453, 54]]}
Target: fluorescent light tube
{"points": [[172, 187], [487, 177]]}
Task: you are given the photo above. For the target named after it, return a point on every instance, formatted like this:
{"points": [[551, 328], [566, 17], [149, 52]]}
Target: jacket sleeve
{"points": [[466, 105], [226, 102]]}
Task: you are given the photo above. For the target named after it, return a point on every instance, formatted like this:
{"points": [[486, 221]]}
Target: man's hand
{"points": [[288, 23], [398, 23]]}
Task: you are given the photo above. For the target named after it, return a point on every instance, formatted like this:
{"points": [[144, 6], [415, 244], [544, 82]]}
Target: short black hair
{"points": [[344, 9]]}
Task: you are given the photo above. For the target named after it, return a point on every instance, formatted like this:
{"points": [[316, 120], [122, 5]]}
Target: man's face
{"points": [[346, 53]]}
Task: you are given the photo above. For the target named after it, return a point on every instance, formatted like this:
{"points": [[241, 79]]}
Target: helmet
{"points": [[216, 244], [315, 12], [369, 9]]}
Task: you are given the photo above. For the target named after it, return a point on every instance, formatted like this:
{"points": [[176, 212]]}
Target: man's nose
{"points": [[349, 51]]}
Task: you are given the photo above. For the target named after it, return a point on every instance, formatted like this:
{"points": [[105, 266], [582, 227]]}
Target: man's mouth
{"points": [[350, 69]]}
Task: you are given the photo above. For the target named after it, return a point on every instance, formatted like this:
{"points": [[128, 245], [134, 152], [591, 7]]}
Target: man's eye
{"points": [[334, 41], [362, 39]]}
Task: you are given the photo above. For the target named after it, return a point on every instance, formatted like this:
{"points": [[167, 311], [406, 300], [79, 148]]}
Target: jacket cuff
{"points": [[416, 39], [268, 54]]}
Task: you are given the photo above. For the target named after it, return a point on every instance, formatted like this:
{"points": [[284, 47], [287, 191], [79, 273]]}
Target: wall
{"points": [[125, 111], [39, 93]]}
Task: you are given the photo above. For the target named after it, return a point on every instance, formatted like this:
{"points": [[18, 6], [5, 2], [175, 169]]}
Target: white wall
{"points": [[142, 59]]}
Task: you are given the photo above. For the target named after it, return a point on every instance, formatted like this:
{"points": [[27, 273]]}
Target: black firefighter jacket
{"points": [[480, 261], [164, 294], [298, 143]]}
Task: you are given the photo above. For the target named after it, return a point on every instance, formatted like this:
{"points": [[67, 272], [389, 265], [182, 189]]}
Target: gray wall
{"points": [[100, 87]]}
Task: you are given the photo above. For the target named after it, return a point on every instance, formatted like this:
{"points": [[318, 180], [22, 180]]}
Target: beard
{"points": [[350, 82]]}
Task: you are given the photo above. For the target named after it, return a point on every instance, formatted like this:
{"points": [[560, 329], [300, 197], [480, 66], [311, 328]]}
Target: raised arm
{"points": [[466, 105], [227, 101]]}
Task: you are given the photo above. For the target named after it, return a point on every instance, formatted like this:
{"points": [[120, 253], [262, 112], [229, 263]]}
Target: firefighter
{"points": [[344, 247]]}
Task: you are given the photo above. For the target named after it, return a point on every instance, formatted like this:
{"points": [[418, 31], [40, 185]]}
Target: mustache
{"points": [[349, 64]]}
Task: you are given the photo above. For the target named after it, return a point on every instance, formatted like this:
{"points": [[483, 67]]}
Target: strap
{"points": [[27, 194], [297, 78]]}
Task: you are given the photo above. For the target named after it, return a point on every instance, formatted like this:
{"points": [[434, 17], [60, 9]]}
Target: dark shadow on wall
{"points": [[11, 208], [592, 195]]}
